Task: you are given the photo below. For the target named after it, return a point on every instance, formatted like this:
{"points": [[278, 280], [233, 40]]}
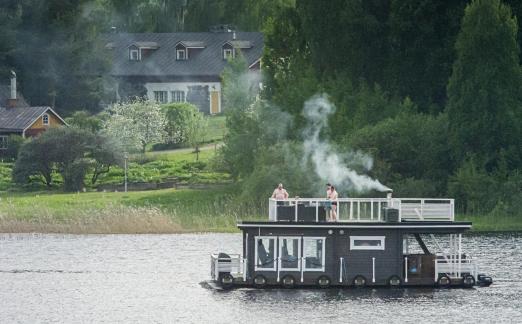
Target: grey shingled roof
{"points": [[19, 118], [5, 93], [162, 62]]}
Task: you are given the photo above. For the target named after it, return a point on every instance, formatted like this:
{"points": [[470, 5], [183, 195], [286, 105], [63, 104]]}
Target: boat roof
{"points": [[417, 226]]}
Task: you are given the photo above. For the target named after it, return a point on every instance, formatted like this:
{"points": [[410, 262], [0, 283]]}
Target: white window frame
{"points": [[45, 119], [369, 238], [134, 51], [280, 250], [185, 54], [230, 52], [175, 93], [4, 142], [166, 93], [323, 259], [256, 238]]}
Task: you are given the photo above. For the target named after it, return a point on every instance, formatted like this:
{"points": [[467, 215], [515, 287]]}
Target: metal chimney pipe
{"points": [[13, 85]]}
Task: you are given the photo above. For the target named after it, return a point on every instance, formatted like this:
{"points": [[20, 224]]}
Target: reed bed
{"points": [[164, 211]]}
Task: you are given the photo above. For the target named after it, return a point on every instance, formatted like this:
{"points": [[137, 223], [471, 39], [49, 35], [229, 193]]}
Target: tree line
{"points": [[430, 89]]}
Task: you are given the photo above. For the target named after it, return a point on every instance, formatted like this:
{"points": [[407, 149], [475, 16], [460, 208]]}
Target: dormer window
{"points": [[228, 53], [45, 119], [134, 54], [181, 54]]}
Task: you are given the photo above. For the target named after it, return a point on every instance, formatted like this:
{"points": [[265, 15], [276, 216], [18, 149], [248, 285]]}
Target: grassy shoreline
{"points": [[159, 211]]}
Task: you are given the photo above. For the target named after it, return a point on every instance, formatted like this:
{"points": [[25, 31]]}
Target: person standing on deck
{"points": [[280, 193], [331, 194]]}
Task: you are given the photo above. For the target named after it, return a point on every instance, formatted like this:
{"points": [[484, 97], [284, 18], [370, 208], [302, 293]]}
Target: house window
{"points": [[177, 96], [134, 55], [45, 119], [181, 54], [313, 253], [367, 242], [228, 53], [160, 96], [289, 253], [4, 141], [265, 253]]}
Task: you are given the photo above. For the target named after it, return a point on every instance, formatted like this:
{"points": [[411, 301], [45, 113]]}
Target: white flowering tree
{"points": [[136, 124]]}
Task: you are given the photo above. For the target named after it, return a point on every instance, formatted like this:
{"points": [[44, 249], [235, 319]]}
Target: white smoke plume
{"points": [[330, 165]]}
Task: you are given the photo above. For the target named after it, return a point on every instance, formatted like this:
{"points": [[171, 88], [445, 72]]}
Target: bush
{"points": [[71, 152], [14, 143], [178, 117]]}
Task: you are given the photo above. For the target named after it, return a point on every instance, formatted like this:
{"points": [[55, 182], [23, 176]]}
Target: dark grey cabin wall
{"points": [[358, 262]]}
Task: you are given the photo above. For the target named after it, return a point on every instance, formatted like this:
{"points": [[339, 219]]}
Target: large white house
{"points": [[180, 67]]}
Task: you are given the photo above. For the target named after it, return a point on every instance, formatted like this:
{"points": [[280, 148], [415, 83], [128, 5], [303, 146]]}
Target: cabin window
{"points": [[228, 53], [160, 96], [177, 96], [134, 55], [313, 253], [181, 54], [265, 253], [289, 253], [45, 119], [367, 242], [4, 141]]}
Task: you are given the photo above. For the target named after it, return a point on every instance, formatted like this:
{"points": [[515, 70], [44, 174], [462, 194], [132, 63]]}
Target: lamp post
{"points": [[125, 156]]}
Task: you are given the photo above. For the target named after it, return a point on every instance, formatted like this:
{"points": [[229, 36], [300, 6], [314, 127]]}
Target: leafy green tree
{"points": [[34, 162], [196, 131], [410, 146], [84, 120], [178, 118], [422, 37], [484, 89], [136, 124], [241, 141], [69, 151], [58, 53]]}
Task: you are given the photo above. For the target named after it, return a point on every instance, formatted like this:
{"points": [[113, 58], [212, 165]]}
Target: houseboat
{"points": [[373, 242]]}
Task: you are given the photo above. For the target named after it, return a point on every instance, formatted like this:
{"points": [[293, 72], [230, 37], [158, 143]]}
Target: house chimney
{"points": [[11, 102], [389, 194], [234, 35]]}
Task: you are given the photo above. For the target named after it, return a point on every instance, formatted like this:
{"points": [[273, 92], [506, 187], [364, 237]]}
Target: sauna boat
{"points": [[375, 242]]}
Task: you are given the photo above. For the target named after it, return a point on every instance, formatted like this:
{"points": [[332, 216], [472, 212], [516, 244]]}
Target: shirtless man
{"points": [[331, 194], [280, 193]]}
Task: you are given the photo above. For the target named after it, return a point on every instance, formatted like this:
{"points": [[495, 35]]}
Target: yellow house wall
{"points": [[53, 122]]}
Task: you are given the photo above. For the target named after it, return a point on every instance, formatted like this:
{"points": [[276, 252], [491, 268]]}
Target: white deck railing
{"points": [[455, 267], [361, 209]]}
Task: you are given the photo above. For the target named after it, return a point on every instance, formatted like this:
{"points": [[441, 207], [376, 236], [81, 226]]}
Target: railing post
{"points": [[317, 211], [371, 209], [436, 270], [351, 209], [373, 269], [340, 269], [296, 208], [460, 255], [379, 207], [358, 210], [405, 269]]}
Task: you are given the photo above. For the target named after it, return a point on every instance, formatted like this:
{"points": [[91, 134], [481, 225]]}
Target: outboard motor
{"points": [[483, 280], [225, 279]]}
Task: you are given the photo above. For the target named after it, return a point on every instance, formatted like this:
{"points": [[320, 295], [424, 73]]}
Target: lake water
{"points": [[156, 278]]}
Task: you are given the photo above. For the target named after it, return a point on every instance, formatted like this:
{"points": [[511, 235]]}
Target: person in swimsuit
{"points": [[331, 194]]}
